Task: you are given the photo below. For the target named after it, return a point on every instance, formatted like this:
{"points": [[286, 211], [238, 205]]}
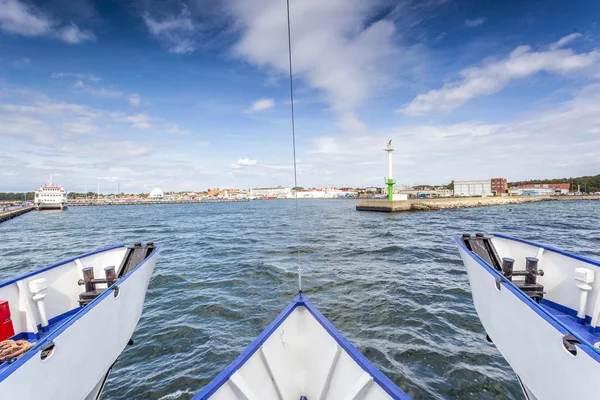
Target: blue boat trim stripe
{"points": [[564, 309], [72, 319], [301, 300], [383, 381], [58, 264], [551, 319], [51, 321]]}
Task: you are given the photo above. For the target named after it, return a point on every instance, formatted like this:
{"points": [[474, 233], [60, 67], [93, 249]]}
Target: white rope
{"points": [[294, 145]]}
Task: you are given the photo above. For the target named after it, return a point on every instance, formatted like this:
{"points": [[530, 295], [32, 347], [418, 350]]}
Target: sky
{"points": [[194, 94]]}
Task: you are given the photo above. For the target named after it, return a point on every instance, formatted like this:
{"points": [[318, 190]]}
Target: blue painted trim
{"points": [[58, 264], [34, 336], [383, 381], [553, 249], [547, 316], [301, 300], [75, 317], [564, 309]]}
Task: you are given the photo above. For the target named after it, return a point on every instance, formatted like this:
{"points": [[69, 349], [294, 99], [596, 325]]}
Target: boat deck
{"points": [[52, 325], [570, 321]]}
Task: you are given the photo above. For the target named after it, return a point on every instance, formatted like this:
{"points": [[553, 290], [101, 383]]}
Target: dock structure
{"points": [[456, 202], [91, 203], [6, 215]]}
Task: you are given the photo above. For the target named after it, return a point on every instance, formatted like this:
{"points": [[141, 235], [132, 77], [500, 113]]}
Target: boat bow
{"points": [[301, 355]]}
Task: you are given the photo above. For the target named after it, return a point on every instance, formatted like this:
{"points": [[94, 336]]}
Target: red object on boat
{"points": [[6, 326]]}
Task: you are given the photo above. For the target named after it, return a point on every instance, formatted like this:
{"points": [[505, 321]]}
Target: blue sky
{"points": [[194, 94]]}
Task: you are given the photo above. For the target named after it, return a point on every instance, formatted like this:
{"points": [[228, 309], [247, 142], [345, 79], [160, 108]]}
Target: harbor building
{"points": [[271, 192], [156, 193], [499, 186], [481, 188], [546, 189]]}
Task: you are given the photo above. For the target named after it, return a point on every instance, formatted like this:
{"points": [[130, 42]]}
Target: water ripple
{"points": [[394, 284]]}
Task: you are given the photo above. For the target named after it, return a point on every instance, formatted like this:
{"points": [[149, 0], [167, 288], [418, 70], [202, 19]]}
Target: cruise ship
{"points": [[51, 197]]}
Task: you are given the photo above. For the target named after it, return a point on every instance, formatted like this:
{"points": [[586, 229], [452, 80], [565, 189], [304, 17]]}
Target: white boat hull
{"points": [[51, 206], [85, 347], [301, 356], [529, 338]]}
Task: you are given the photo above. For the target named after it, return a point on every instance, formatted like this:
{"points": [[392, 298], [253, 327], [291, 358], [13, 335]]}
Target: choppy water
{"points": [[393, 284]]}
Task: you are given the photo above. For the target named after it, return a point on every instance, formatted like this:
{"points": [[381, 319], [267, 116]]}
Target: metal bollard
{"points": [[531, 264], [111, 275], [507, 267], [88, 277]]}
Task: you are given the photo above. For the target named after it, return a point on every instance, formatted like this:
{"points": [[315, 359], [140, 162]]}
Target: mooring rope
{"points": [[294, 146], [11, 349]]}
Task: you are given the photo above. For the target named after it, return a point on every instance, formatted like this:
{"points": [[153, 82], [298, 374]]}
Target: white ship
{"points": [[63, 326], [50, 197], [540, 306]]}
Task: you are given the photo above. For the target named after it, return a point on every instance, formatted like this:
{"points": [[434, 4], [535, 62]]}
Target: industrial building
{"points": [[544, 189], [271, 192], [481, 188], [499, 186]]}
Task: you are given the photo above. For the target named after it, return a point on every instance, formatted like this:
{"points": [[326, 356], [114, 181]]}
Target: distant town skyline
{"points": [[188, 94]]}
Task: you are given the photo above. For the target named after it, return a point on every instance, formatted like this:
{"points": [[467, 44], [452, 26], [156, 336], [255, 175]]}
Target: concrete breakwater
{"points": [[457, 202], [6, 215]]}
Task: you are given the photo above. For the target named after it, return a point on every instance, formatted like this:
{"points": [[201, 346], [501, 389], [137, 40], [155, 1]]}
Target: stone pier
{"points": [[6, 215], [456, 202]]}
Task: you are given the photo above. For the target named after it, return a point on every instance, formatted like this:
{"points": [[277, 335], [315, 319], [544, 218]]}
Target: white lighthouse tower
{"points": [[389, 180]]}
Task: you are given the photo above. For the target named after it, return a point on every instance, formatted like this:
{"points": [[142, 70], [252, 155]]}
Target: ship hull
{"points": [[84, 346], [529, 337], [50, 206]]}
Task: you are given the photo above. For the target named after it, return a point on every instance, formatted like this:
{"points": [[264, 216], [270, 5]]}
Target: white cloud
{"points": [[261, 105], [246, 162], [175, 129], [89, 83], [176, 31], [138, 121], [566, 139], [134, 99], [74, 35], [494, 76], [96, 91], [335, 50], [79, 76], [82, 126], [564, 41], [472, 23], [19, 18], [182, 46], [23, 62]]}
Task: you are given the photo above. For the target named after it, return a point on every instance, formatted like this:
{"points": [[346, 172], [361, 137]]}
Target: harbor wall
{"points": [[75, 203], [6, 215], [457, 202]]}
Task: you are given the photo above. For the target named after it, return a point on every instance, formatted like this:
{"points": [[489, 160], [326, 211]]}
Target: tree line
{"points": [[12, 196], [586, 183]]}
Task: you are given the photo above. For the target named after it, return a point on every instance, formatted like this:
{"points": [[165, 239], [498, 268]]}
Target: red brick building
{"points": [[499, 186]]}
